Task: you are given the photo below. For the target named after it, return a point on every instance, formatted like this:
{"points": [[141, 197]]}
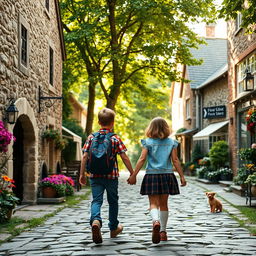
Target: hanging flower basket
{"points": [[55, 135], [5, 138], [251, 120]]}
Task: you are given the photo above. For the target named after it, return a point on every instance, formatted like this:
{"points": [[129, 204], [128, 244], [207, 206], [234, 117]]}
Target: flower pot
{"points": [[253, 190], [227, 177], [49, 192]]}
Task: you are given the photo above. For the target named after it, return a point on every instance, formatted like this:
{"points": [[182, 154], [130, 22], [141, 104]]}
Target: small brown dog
{"points": [[215, 204]]}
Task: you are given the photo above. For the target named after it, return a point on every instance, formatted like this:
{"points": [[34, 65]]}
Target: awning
{"points": [[76, 139], [210, 129], [73, 136], [187, 132]]}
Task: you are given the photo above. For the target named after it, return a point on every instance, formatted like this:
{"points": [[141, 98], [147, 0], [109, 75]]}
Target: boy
{"points": [[101, 182]]}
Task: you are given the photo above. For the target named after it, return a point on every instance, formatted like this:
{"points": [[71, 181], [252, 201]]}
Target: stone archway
{"points": [[29, 139]]}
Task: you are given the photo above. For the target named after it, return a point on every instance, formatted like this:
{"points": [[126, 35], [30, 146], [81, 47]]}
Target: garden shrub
{"points": [[219, 154]]}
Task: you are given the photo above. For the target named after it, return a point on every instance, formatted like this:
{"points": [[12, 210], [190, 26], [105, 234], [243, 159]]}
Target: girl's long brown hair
{"points": [[158, 129]]}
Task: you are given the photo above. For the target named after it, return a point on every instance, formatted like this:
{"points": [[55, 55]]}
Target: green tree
{"points": [[231, 8], [122, 41]]}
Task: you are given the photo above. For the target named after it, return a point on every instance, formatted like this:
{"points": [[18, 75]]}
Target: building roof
{"points": [[62, 43], [214, 56], [220, 72], [78, 103]]}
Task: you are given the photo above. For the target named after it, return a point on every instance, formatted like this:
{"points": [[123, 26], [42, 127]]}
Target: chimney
{"points": [[210, 30]]}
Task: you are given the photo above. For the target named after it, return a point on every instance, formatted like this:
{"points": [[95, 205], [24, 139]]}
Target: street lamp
{"points": [[11, 113], [249, 81]]}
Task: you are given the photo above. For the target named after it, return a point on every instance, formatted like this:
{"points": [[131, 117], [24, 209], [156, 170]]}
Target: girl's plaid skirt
{"points": [[157, 184]]}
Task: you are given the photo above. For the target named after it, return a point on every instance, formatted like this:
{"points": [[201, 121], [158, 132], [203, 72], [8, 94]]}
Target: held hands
{"points": [[183, 181], [132, 179]]}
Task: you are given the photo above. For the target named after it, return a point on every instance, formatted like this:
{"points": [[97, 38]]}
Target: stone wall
{"points": [[215, 94], [240, 45], [19, 83]]}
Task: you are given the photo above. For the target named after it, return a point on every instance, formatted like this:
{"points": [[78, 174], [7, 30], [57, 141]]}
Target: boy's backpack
{"points": [[101, 159]]}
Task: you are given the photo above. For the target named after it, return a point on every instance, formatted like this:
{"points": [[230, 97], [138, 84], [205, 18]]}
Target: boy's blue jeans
{"points": [[98, 186]]}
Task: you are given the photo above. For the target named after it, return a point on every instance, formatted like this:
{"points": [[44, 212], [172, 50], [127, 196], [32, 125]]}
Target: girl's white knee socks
{"points": [[154, 214], [163, 219]]}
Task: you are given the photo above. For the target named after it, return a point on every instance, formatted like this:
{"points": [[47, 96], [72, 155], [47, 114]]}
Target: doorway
{"points": [[18, 159]]}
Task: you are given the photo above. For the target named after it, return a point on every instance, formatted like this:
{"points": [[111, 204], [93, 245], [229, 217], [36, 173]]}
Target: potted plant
{"points": [[226, 173], [7, 199], [240, 178], [202, 172], [68, 182], [213, 176], [52, 187], [251, 179], [57, 185]]}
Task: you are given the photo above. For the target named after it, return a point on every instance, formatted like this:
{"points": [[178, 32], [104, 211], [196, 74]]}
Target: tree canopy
{"points": [[122, 42], [231, 8]]}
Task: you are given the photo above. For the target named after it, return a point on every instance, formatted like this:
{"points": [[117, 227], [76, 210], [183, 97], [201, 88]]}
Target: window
{"points": [[250, 63], [187, 108], [214, 138], [51, 65], [238, 21], [24, 46], [47, 5]]}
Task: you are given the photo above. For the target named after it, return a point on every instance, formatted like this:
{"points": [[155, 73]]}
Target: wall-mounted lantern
{"points": [[249, 81], [11, 113]]}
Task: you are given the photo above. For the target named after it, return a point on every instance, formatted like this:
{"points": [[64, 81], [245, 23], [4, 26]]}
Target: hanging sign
{"points": [[214, 112]]}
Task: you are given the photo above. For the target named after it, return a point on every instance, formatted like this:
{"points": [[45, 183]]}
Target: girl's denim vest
{"points": [[159, 155]]}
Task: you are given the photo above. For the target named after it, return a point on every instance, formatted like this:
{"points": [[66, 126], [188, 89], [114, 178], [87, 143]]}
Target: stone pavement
{"points": [[192, 229]]}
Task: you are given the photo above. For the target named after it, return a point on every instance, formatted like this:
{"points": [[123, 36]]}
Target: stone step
{"points": [[43, 200], [237, 190], [225, 183]]}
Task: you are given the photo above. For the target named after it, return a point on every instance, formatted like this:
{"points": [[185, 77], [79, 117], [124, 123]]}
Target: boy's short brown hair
{"points": [[158, 129], [106, 116]]}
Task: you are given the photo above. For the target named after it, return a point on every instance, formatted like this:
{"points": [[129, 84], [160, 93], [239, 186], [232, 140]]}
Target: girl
{"points": [[159, 181]]}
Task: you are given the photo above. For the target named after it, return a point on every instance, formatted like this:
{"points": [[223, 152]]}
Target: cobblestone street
{"points": [[192, 229]]}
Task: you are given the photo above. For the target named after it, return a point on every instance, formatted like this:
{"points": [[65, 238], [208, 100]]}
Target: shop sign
{"points": [[214, 112]]}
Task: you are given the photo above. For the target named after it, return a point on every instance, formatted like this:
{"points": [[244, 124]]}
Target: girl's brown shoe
{"points": [[96, 233], [156, 232], [163, 236], [114, 233]]}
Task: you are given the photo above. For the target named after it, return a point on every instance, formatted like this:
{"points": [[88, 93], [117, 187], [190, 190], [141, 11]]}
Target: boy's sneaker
{"points": [[114, 233], [163, 236], [156, 232], [96, 233]]}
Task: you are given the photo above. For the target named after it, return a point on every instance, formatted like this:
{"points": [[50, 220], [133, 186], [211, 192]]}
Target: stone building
{"points": [[187, 99], [31, 56], [79, 111], [241, 58], [214, 110]]}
